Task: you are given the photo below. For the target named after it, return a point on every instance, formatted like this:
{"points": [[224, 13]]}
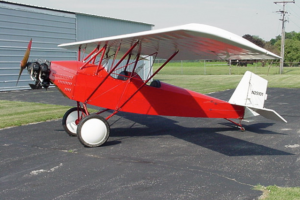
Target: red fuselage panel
{"points": [[168, 100]]}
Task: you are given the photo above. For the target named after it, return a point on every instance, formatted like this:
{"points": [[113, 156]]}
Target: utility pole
{"points": [[283, 12]]}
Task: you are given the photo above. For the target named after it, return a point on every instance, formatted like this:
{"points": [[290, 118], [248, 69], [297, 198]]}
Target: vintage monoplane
{"points": [[106, 75]]}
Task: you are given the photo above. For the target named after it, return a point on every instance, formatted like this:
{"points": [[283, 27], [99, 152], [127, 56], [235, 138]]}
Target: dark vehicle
{"points": [[241, 62]]}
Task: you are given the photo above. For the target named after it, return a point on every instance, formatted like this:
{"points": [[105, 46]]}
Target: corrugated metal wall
{"points": [[91, 27], [48, 28], [18, 24]]}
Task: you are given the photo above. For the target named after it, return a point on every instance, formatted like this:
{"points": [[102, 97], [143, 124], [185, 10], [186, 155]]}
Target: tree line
{"points": [[292, 45]]}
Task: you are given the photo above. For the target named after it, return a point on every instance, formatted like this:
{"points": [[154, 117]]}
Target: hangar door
{"points": [[47, 28]]}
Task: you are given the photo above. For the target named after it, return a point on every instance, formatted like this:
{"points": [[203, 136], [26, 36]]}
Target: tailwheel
{"points": [[93, 131], [242, 128], [70, 120]]}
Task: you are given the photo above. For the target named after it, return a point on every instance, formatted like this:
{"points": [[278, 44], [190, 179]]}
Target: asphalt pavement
{"points": [[152, 157]]}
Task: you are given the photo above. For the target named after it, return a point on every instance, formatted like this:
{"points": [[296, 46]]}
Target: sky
{"points": [[254, 17]]}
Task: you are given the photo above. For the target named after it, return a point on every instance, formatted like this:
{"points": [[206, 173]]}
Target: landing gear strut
{"points": [[71, 120], [92, 130], [239, 125]]}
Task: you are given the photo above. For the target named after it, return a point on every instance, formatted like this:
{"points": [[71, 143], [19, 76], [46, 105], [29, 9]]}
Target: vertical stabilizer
{"points": [[251, 91]]}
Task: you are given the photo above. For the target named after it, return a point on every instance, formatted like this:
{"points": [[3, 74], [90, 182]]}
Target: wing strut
{"points": [[129, 56], [97, 48], [113, 69], [101, 59], [136, 61], [96, 52], [116, 111]]}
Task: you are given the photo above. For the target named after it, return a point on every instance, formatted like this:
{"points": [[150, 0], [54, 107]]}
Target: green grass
{"points": [[16, 113], [279, 193], [221, 68], [213, 83]]}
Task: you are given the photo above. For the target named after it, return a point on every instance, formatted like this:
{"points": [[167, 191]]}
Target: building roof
{"points": [[68, 12]]}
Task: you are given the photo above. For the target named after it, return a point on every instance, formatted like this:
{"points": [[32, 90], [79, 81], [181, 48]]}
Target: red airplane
{"points": [[108, 76]]}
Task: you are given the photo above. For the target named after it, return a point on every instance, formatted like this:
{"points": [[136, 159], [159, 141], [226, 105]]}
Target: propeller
{"points": [[25, 59]]}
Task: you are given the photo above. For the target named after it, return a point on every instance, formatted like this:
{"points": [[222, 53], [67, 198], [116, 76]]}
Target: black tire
{"points": [[93, 131], [71, 129]]}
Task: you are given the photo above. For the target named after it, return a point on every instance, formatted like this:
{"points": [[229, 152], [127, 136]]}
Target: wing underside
{"points": [[194, 41]]}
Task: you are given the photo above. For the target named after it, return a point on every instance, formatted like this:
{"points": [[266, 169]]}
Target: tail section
{"points": [[251, 93]]}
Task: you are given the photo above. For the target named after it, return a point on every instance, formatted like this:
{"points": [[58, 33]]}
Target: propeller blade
{"points": [[24, 60], [21, 70]]}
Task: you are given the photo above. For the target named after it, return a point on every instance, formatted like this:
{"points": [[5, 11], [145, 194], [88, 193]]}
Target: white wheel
{"points": [[93, 131], [70, 120]]}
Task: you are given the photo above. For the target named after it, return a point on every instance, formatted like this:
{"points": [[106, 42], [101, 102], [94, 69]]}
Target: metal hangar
{"points": [[48, 28]]}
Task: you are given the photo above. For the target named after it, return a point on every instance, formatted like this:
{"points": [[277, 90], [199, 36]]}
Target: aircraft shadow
{"points": [[213, 138]]}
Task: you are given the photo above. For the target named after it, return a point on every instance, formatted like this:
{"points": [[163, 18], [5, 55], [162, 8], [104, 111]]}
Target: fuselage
{"points": [[96, 88]]}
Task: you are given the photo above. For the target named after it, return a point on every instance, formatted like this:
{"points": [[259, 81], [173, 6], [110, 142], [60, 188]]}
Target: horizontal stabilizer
{"points": [[269, 114]]}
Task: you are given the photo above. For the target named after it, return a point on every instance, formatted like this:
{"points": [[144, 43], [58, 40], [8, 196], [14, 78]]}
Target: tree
{"points": [[271, 47], [296, 36], [273, 41], [292, 45], [291, 50], [255, 39]]}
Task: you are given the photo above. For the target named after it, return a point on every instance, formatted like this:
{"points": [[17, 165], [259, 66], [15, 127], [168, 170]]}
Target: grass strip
{"points": [[279, 193], [214, 83], [222, 68], [17, 113]]}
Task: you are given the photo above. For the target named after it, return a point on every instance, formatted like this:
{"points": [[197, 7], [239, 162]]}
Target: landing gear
{"points": [[239, 125], [93, 131], [71, 120], [242, 129]]}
